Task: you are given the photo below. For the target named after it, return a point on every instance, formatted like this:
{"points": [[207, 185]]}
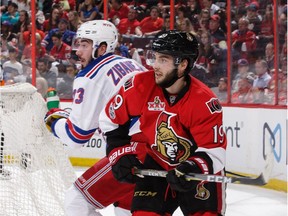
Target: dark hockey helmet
{"points": [[178, 44]]}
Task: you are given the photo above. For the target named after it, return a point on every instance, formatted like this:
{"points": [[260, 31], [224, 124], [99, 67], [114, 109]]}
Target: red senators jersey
{"points": [[175, 127]]}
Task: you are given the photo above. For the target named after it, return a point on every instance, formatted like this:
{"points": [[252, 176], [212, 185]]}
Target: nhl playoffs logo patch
{"points": [[156, 105], [214, 106]]}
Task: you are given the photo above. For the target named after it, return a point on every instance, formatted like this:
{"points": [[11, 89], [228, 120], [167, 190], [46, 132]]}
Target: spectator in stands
{"points": [[67, 35], [60, 51], [22, 24], [269, 93], [63, 14], [41, 86], [263, 78], [6, 37], [40, 17], [22, 4], [52, 21], [206, 50], [40, 50], [245, 93], [242, 72], [128, 25], [46, 6], [119, 10], [253, 18], [166, 23], [12, 14], [88, 11], [65, 84], [150, 25], [210, 6], [74, 20], [244, 41], [269, 55], [203, 21], [212, 57], [282, 28], [180, 16], [44, 71], [25, 37], [193, 10], [13, 69], [283, 53], [222, 13], [283, 64], [201, 73], [266, 33], [216, 32], [221, 90], [187, 26]]}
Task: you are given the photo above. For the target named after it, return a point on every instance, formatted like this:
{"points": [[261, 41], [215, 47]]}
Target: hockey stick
{"points": [[262, 179]]}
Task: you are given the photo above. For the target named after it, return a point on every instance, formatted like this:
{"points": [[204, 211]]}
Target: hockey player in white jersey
{"points": [[102, 75]]}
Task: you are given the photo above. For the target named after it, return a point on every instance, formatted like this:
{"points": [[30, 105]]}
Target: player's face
{"points": [[163, 68], [84, 52]]}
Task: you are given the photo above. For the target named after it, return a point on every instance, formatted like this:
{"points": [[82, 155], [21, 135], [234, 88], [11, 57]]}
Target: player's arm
{"points": [[79, 127], [209, 156], [115, 123]]}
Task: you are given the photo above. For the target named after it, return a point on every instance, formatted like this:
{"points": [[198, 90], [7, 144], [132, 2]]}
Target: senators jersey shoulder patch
{"points": [[214, 106]]}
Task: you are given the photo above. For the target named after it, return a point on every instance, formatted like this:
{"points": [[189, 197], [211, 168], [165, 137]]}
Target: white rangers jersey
{"points": [[93, 87]]}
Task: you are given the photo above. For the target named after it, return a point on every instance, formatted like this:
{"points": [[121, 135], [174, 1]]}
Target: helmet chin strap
{"points": [[172, 80]]}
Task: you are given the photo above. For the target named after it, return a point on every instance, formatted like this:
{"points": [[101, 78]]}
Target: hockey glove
{"points": [[53, 115], [176, 177], [123, 162]]}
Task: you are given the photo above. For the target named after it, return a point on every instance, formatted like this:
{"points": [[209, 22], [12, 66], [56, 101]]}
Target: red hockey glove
{"points": [[53, 115], [124, 160], [176, 177]]}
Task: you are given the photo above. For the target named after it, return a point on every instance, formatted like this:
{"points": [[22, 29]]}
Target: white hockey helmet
{"points": [[99, 31]]}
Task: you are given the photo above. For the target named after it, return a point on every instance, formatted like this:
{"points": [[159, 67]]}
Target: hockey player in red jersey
{"points": [[181, 120], [101, 77]]}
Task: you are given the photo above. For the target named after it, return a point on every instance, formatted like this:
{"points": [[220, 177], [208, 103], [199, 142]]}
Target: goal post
{"points": [[35, 170]]}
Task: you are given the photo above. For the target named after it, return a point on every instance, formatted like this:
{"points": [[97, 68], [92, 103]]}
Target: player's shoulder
{"points": [[203, 97], [145, 77], [141, 82], [200, 90]]}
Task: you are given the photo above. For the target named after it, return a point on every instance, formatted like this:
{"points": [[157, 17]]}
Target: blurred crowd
{"points": [[253, 78]]}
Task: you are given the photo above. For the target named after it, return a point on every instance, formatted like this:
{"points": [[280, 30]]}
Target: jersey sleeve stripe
{"points": [[76, 134]]}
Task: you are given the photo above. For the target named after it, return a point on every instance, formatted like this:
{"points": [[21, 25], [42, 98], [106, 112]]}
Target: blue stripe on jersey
{"points": [[91, 65]]}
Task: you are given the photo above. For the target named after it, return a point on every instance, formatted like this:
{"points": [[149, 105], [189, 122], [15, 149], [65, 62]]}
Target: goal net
{"points": [[34, 168]]}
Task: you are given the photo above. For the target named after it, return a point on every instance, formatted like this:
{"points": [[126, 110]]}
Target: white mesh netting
{"points": [[34, 168]]}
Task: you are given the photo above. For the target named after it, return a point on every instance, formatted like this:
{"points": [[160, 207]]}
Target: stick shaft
{"points": [[209, 177]]}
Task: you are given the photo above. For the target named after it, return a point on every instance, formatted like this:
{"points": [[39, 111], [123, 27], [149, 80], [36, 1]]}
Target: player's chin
{"points": [[83, 63], [158, 80]]}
